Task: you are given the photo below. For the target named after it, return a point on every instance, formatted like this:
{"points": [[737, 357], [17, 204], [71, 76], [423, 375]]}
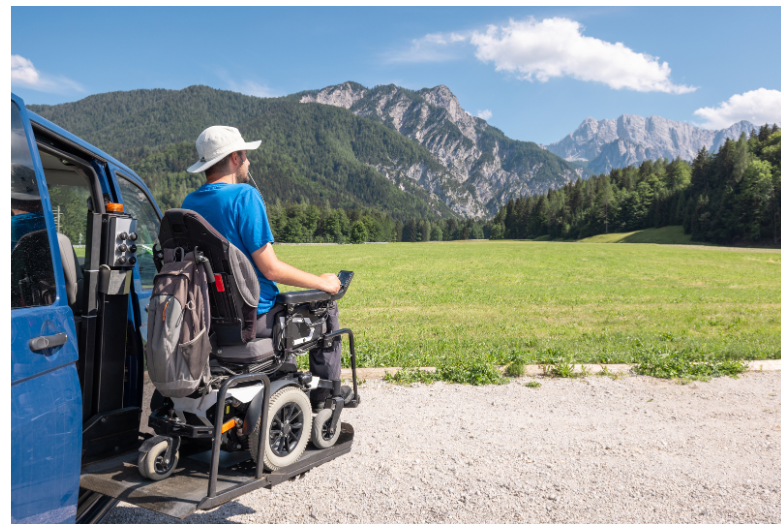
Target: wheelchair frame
{"points": [[173, 432]]}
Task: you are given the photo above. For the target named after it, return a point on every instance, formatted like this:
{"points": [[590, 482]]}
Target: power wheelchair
{"points": [[255, 397]]}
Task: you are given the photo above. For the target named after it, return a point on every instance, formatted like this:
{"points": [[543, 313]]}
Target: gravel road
{"points": [[593, 450]]}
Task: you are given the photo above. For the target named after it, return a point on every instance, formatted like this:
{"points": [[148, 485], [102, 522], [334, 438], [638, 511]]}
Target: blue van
{"points": [[76, 354], [83, 227]]}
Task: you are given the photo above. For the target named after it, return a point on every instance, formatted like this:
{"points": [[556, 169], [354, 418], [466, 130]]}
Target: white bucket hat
{"points": [[217, 142]]}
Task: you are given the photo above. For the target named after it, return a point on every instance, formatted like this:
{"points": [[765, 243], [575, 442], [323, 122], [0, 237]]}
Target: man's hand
{"points": [[331, 283]]}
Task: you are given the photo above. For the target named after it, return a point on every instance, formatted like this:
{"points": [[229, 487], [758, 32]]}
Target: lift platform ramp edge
{"points": [[185, 491]]}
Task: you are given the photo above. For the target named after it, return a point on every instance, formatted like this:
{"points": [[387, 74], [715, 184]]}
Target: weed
{"points": [[474, 373], [564, 370], [408, 376], [533, 384], [684, 370], [605, 372], [516, 368]]}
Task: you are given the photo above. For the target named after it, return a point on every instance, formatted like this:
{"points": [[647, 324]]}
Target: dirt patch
{"points": [[591, 450]]}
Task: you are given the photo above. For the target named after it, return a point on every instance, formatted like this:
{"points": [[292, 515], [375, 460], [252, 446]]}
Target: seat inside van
{"points": [[71, 194]]}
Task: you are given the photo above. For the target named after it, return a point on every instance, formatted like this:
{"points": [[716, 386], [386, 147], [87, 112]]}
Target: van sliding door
{"points": [[45, 391]]}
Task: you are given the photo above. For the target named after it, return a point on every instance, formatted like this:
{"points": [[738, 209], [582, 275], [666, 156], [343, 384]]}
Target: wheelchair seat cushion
{"points": [[253, 352]]}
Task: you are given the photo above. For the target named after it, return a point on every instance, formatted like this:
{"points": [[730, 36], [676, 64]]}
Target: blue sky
{"points": [[536, 73]]}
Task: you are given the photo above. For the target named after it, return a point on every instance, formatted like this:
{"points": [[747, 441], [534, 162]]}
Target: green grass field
{"points": [[440, 303]]}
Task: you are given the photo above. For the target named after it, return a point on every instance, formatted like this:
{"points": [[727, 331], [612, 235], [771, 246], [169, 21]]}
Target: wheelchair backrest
{"points": [[233, 296]]}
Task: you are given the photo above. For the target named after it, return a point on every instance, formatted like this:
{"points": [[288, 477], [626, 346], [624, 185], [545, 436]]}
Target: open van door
{"points": [[46, 411]]}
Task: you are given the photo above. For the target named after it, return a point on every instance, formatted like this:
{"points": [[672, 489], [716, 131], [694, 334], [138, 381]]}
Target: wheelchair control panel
{"points": [[120, 242], [315, 295], [345, 277]]}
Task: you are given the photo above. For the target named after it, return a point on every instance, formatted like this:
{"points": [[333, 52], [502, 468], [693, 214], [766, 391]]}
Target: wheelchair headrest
{"points": [[187, 229]]}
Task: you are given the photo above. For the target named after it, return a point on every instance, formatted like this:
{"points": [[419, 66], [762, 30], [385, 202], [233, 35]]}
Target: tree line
{"points": [[308, 223], [733, 195]]}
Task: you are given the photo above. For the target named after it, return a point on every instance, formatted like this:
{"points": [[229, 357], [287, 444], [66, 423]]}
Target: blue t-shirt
{"points": [[237, 211], [25, 223]]}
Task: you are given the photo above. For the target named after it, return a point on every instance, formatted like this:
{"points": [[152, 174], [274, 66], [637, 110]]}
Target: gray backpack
{"points": [[177, 347]]}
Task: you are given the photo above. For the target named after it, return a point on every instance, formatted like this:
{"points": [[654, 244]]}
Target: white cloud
{"points": [[556, 47], [762, 106], [24, 74], [247, 87], [485, 114], [433, 47]]}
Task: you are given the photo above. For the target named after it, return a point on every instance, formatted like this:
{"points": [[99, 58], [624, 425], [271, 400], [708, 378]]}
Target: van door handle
{"points": [[38, 344]]}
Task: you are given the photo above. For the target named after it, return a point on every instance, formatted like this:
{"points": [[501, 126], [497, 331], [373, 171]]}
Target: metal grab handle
{"points": [[220, 412], [38, 344], [349, 333]]}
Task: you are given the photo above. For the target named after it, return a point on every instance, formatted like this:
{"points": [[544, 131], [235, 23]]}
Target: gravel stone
{"points": [[590, 450]]}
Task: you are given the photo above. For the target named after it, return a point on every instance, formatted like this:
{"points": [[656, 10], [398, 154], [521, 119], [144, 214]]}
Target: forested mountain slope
{"points": [[730, 196], [485, 168], [316, 153]]}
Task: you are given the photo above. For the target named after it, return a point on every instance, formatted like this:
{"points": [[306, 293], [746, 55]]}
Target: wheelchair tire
{"points": [[151, 465], [320, 437], [288, 428]]}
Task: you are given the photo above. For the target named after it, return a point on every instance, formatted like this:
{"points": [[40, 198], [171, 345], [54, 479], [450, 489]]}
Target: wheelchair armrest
{"points": [[301, 297]]}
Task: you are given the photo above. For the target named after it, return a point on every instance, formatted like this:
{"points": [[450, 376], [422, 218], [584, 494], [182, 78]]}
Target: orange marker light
{"points": [[229, 425], [113, 207]]}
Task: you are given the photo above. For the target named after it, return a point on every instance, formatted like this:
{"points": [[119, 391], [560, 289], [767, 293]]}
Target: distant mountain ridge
{"points": [[314, 153], [484, 168], [631, 139], [410, 154]]}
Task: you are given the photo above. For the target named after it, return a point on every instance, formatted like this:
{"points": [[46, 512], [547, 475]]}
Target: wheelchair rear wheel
{"points": [[289, 426]]}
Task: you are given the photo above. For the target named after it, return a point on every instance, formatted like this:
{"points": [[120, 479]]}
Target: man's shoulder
{"points": [[248, 195]]}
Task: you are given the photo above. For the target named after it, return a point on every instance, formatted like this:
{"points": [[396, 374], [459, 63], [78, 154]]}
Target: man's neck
{"points": [[229, 178]]}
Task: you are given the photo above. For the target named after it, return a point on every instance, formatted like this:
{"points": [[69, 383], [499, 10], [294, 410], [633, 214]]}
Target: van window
{"points": [[70, 195], [32, 270], [138, 205]]}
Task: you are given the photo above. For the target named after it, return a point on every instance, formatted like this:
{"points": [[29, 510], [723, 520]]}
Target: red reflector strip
{"points": [[218, 283]]}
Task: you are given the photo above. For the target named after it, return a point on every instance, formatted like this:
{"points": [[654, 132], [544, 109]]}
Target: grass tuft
{"points": [[474, 373], [533, 384], [605, 372], [671, 366], [516, 368]]}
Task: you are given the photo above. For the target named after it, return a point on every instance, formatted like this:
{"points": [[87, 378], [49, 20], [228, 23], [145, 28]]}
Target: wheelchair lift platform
{"points": [[186, 490]]}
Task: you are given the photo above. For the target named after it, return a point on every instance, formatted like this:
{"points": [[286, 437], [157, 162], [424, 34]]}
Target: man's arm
{"points": [[278, 271]]}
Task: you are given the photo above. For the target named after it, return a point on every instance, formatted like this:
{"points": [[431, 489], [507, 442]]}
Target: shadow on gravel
{"points": [[136, 514]]}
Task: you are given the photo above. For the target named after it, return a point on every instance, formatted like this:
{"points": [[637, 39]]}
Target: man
{"points": [[237, 211]]}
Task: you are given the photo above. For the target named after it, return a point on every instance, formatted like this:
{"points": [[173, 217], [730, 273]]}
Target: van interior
{"points": [[110, 362]]}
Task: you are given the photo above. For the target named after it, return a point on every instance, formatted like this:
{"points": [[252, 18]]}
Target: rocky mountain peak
{"points": [[341, 95], [441, 96], [631, 139], [480, 170]]}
